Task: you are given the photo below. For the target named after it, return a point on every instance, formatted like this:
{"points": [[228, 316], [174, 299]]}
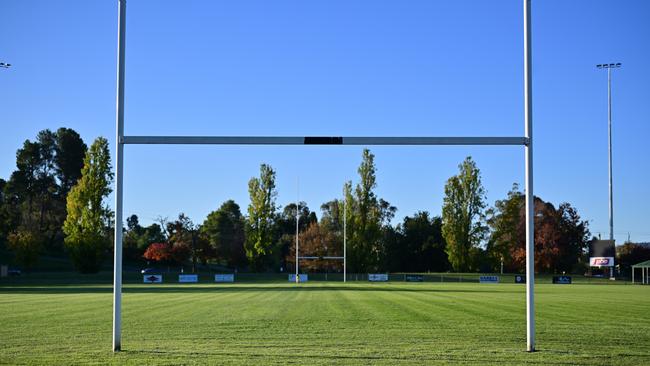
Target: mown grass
{"points": [[323, 323]]}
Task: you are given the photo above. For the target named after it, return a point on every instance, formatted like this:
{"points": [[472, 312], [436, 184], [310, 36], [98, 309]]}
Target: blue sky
{"points": [[350, 68]]}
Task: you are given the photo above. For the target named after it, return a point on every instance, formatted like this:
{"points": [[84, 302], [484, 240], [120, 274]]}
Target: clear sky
{"points": [[347, 68]]}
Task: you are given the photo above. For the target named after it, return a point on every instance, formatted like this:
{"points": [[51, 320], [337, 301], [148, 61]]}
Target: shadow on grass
{"points": [[144, 289], [533, 358]]}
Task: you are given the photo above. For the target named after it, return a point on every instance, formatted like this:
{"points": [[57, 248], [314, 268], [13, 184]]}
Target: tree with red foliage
{"points": [[317, 241], [561, 237], [180, 252], [158, 252]]}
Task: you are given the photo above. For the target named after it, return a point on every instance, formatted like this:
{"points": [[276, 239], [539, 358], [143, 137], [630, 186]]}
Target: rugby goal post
{"points": [[526, 141], [345, 243]]}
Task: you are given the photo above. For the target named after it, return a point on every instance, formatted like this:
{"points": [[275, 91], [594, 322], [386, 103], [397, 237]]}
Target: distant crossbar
{"points": [[321, 257], [319, 140]]}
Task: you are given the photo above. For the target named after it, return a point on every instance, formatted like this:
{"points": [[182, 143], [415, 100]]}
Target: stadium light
{"points": [[609, 68], [5, 65]]}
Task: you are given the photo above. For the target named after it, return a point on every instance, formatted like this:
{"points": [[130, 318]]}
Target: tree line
{"points": [[54, 204]]}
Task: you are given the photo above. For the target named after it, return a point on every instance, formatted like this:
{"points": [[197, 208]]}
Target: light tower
{"points": [[609, 68]]}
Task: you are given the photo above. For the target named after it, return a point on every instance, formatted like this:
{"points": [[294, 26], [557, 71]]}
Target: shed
{"points": [[645, 266]]}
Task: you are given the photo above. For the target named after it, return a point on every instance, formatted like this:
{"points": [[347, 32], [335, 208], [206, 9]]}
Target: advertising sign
{"points": [[152, 278], [562, 280], [378, 277], [224, 278], [414, 278], [489, 279], [520, 279], [188, 278], [303, 277], [601, 253], [601, 261]]}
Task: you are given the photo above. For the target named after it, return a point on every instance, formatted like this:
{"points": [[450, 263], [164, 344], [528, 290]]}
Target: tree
{"points": [[35, 195], [422, 244], [630, 254], [560, 235], [182, 236], [181, 252], [158, 252], [68, 161], [87, 223], [507, 230], [261, 214], [224, 231], [367, 215], [316, 241], [26, 247], [285, 227], [463, 216]]}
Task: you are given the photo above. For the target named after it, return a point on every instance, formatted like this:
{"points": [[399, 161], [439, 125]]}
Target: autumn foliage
{"points": [[158, 252]]}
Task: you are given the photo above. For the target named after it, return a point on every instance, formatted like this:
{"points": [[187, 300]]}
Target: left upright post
{"points": [[119, 162]]}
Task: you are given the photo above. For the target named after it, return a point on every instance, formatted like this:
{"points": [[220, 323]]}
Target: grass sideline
{"points": [[58, 321]]}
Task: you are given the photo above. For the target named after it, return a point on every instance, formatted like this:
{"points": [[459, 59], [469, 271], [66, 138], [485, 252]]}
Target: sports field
{"points": [[324, 323]]}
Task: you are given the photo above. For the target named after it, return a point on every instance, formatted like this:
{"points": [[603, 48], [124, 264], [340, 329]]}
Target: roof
{"points": [[642, 264]]}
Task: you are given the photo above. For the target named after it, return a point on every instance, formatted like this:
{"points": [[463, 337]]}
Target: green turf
{"points": [[324, 323]]}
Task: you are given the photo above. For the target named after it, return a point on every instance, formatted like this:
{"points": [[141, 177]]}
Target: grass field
{"points": [[323, 323]]}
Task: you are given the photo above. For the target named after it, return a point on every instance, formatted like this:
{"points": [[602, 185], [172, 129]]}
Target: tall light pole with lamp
{"points": [[609, 68]]}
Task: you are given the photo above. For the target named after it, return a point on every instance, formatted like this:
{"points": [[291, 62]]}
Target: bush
{"points": [[88, 252], [26, 247]]}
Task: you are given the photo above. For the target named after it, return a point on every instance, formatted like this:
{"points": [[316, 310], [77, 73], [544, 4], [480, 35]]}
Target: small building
{"points": [[645, 271]]}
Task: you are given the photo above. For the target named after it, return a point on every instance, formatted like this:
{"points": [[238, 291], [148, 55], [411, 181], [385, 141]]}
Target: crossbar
{"points": [[321, 257], [319, 140]]}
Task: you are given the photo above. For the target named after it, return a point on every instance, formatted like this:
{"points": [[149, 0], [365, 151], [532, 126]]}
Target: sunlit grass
{"points": [[324, 323]]}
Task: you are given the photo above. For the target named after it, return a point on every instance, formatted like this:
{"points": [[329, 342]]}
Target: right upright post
{"points": [[530, 203]]}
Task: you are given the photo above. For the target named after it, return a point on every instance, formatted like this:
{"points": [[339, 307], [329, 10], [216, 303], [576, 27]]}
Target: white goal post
{"points": [[526, 141]]}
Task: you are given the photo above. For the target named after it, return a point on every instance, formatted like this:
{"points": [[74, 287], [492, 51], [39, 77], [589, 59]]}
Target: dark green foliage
{"points": [[68, 160], [417, 245], [630, 254], [35, 195], [224, 231]]}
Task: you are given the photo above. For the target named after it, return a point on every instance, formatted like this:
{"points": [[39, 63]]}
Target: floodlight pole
{"points": [[530, 200], [119, 171], [609, 68]]}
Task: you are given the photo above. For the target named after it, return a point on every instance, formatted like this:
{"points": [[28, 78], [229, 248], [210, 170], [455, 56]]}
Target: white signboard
{"points": [[489, 279], [224, 278], [377, 277], [601, 261], [152, 278], [303, 278], [188, 278]]}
